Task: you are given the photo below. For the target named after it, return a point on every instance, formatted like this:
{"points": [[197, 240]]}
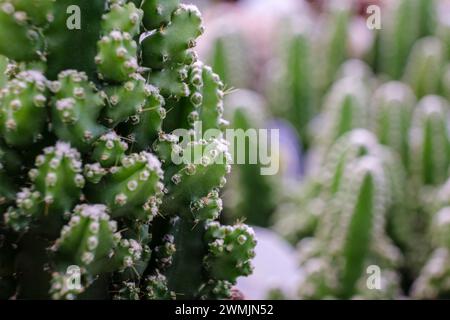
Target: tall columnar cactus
{"points": [[354, 145], [91, 186], [9, 163], [351, 234], [300, 216], [252, 195], [291, 87], [392, 108], [332, 45], [424, 67], [394, 43], [438, 198], [433, 282], [429, 141], [428, 16], [300, 210], [442, 31], [229, 57], [345, 108]]}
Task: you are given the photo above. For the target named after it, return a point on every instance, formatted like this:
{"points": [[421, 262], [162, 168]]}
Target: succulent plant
{"points": [[429, 141], [424, 68], [433, 281], [229, 58], [371, 108], [394, 44], [332, 45], [350, 234], [291, 87], [392, 108], [345, 108], [251, 195], [94, 178], [299, 213]]}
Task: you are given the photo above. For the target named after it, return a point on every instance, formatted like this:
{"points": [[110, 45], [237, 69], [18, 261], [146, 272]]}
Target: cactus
{"points": [[376, 188], [252, 195], [298, 215], [445, 82], [345, 108], [319, 189], [429, 141], [229, 58], [432, 282], [442, 31], [167, 52], [9, 162], [115, 193], [63, 45], [3, 70], [427, 17], [358, 69], [347, 220], [331, 48], [23, 100], [394, 43]]}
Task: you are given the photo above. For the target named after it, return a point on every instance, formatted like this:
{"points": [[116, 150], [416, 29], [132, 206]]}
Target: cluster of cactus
{"points": [[376, 193], [249, 194], [89, 107], [291, 82]]}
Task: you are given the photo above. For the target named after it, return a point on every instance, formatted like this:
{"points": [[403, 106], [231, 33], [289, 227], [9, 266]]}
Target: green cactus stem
{"points": [[117, 204], [424, 68], [429, 141]]}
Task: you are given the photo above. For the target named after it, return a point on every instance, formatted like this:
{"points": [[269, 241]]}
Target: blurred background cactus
{"points": [[369, 108], [93, 205], [363, 186]]}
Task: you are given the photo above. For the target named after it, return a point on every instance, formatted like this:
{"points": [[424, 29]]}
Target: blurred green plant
{"points": [[371, 110], [376, 191]]}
